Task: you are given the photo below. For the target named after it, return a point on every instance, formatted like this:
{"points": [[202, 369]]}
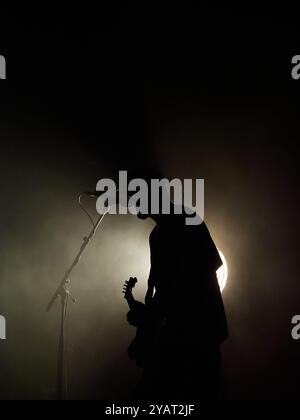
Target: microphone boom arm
{"points": [[61, 290]]}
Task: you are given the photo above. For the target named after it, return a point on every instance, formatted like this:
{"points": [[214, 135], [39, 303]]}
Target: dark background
{"points": [[198, 92]]}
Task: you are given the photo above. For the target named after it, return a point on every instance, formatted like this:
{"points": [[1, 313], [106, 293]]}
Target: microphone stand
{"points": [[64, 293]]}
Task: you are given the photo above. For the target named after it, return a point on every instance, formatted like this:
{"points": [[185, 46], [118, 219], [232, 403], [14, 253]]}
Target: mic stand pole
{"points": [[63, 292]]}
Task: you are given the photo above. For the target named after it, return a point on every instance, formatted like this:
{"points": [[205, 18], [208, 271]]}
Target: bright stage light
{"points": [[222, 273]]}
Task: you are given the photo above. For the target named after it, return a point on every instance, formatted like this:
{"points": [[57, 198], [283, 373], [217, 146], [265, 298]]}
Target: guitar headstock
{"points": [[128, 286]]}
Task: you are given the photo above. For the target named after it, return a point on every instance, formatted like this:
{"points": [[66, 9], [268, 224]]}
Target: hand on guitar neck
{"points": [[136, 316]]}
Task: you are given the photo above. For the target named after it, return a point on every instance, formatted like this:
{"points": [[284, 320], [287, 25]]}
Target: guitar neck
{"points": [[130, 300]]}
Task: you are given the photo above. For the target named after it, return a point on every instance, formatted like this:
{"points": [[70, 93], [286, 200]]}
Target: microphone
{"points": [[96, 194], [92, 194]]}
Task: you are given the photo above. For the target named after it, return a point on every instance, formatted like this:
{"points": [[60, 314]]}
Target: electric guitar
{"points": [[141, 348]]}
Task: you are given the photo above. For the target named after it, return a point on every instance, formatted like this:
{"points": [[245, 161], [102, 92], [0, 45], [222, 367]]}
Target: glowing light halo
{"points": [[222, 273]]}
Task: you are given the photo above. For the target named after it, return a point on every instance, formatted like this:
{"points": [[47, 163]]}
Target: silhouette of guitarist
{"points": [[182, 324]]}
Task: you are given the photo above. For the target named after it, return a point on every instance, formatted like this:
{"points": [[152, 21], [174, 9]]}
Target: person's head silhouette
{"points": [[158, 196]]}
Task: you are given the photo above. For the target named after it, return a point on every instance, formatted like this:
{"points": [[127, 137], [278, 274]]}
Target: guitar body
{"points": [[140, 348]]}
